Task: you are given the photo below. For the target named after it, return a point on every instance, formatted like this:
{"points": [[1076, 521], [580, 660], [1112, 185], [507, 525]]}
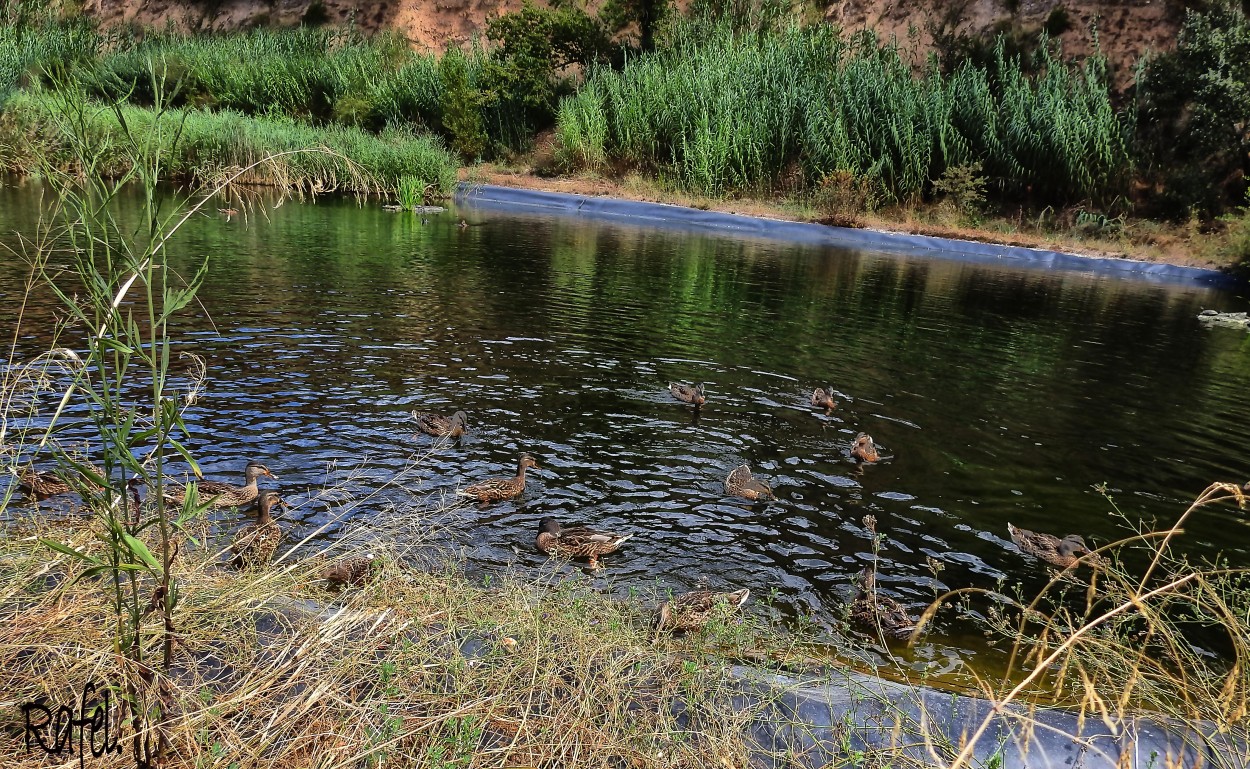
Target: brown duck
{"points": [[693, 610], [577, 541], [687, 393], [255, 543], [440, 426], [863, 449], [41, 484], [740, 483], [497, 489], [823, 400], [352, 571], [220, 494], [879, 613], [1063, 553]]}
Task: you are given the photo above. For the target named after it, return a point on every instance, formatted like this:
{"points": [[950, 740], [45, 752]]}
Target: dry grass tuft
{"points": [[418, 667]]}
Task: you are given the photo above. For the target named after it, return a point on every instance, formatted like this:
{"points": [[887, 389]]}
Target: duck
{"points": [[1064, 553], [879, 613], [41, 484], [823, 400], [863, 449], [221, 494], [740, 483], [352, 571], [497, 489], [693, 610], [688, 393], [255, 543], [439, 425], [577, 541]]}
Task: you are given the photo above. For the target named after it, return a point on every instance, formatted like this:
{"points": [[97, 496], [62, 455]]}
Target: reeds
{"points": [[727, 112], [214, 144], [1145, 630]]}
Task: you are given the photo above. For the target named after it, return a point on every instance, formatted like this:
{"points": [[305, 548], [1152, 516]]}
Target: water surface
{"points": [[996, 394]]}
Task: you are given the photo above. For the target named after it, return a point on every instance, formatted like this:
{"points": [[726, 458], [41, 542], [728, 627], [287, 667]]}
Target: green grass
{"points": [[726, 112], [213, 143]]}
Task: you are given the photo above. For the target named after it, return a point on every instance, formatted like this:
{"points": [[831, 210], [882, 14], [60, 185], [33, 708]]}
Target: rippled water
{"points": [[997, 394]]}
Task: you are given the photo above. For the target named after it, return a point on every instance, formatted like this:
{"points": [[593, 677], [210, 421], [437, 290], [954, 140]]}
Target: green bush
{"points": [[460, 105], [1194, 108], [534, 46]]}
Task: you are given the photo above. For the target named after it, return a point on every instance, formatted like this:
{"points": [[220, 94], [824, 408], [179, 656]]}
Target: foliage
{"points": [[461, 105], [645, 15], [536, 43], [962, 188], [211, 143], [1194, 107], [726, 111], [29, 46], [121, 296]]}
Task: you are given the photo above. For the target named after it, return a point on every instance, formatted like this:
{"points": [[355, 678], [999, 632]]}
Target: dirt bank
{"points": [[1126, 28], [1146, 241]]}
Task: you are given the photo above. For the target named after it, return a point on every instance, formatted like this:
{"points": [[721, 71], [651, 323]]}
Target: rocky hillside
{"points": [[1126, 28]]}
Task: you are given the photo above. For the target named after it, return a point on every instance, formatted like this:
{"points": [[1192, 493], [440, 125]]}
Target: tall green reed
{"points": [[727, 111], [120, 296]]}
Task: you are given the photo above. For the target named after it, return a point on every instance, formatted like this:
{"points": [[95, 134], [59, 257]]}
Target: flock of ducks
{"points": [[256, 543]]}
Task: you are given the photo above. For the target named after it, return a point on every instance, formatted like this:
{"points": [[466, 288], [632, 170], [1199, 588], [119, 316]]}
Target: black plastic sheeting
{"points": [[692, 219], [830, 721]]}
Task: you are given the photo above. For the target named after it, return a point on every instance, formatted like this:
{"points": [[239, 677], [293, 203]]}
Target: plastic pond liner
{"points": [[842, 717], [680, 218]]}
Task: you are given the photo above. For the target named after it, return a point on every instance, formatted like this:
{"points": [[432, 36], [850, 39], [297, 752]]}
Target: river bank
{"points": [[1190, 244]]}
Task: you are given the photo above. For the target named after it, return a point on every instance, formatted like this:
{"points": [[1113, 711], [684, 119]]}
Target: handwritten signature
{"points": [[53, 730]]}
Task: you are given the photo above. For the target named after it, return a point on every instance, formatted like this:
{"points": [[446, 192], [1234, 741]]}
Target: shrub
{"points": [[1194, 108], [460, 107]]}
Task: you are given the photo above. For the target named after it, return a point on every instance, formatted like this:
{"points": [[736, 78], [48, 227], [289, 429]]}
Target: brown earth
{"points": [[1127, 29]]}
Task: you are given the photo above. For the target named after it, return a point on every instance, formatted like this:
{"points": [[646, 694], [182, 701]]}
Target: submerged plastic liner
{"points": [[827, 722], [692, 219]]}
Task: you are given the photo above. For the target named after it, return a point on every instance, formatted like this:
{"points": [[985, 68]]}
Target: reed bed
{"points": [[727, 112], [307, 73], [27, 50], [292, 155]]}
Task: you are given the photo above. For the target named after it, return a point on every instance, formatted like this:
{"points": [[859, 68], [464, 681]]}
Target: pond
{"points": [[996, 395]]}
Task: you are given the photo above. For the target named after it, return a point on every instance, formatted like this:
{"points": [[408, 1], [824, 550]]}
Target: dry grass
{"points": [[420, 667], [1145, 630]]}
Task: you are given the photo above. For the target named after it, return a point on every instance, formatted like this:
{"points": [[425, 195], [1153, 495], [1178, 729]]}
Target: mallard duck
{"points": [[439, 425], [692, 610], [688, 393], [496, 489], [577, 542], [879, 613], [220, 494], [823, 400], [863, 449], [740, 483], [1063, 553], [353, 571], [41, 484], [255, 543]]}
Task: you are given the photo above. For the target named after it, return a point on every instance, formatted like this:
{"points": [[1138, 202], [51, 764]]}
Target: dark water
{"points": [[998, 395]]}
